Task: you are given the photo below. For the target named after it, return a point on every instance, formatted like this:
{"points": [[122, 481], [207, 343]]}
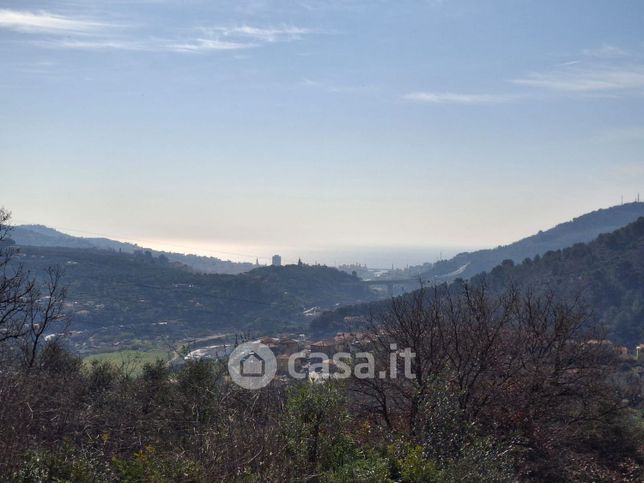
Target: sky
{"points": [[328, 128]]}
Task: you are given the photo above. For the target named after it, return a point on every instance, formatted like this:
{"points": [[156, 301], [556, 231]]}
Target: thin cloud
{"points": [[606, 51], [203, 40], [234, 38], [47, 23], [202, 45], [458, 98], [607, 71], [187, 46], [96, 44], [263, 34], [580, 78]]}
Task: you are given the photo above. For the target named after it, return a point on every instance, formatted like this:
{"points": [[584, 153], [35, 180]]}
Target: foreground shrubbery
{"points": [[194, 426], [505, 389]]}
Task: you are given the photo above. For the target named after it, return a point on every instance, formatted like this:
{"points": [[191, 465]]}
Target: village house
{"points": [[288, 346], [327, 347]]}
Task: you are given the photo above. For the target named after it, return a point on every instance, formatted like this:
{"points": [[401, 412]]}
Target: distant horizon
{"points": [[374, 256]]}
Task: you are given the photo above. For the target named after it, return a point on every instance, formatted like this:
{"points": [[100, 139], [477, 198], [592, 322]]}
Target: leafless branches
{"points": [[29, 308]]}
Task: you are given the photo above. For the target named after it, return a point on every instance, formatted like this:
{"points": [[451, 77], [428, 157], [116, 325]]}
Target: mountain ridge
{"points": [[134, 300], [581, 229], [38, 235], [605, 274]]}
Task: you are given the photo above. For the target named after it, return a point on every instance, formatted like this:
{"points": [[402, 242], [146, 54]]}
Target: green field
{"points": [[131, 360]]}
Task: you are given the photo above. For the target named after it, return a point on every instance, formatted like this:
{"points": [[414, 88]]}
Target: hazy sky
{"points": [[248, 126]]}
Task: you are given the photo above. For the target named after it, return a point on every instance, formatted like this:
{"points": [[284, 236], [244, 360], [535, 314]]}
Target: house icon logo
{"points": [[252, 365]]}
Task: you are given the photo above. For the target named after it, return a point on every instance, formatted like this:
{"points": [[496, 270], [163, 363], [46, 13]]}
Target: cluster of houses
{"points": [[621, 351], [285, 347], [312, 356]]}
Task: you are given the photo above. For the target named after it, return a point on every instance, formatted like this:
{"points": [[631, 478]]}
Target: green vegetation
{"points": [[131, 361], [42, 236], [505, 388], [141, 304], [606, 275], [580, 230]]}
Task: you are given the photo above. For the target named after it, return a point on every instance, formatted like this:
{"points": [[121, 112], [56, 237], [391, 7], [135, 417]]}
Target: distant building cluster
{"points": [[308, 361], [620, 350], [308, 352]]}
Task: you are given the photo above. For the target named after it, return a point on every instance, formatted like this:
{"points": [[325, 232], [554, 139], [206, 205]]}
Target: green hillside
{"points": [[126, 298], [607, 275], [43, 236], [582, 229]]}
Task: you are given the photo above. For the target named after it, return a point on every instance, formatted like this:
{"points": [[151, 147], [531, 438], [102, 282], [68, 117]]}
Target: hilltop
{"points": [[579, 230], [133, 299], [607, 275], [43, 236]]}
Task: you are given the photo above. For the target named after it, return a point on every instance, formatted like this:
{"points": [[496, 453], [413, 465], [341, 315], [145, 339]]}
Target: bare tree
{"points": [[29, 308], [514, 362]]}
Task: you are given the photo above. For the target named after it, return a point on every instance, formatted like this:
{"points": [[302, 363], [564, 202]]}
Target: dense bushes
{"points": [[504, 389]]}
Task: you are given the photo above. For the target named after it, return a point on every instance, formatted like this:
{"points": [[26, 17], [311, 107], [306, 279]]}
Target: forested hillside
{"points": [[579, 230], [121, 297], [43, 236], [607, 275]]}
